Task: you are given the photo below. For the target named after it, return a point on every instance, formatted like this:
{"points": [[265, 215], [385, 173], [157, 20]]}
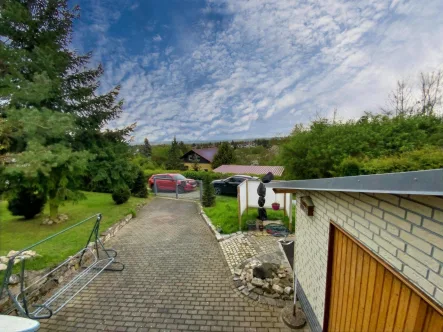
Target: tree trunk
{"points": [[53, 209], [53, 205]]}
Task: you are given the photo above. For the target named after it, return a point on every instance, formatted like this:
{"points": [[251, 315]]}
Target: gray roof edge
{"points": [[428, 182]]}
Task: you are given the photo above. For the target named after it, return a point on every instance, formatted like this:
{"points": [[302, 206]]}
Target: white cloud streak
{"points": [[274, 63]]}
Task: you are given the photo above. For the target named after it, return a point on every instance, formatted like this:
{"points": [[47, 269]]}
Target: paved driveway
{"points": [[175, 279]]}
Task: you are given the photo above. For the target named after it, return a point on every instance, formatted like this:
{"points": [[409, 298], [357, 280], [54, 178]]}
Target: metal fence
{"points": [[179, 189]]}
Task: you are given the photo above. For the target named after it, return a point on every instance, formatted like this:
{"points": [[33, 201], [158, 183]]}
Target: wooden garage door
{"points": [[366, 296]]}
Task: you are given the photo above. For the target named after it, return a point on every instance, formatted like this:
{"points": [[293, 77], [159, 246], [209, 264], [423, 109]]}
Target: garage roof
{"points": [[428, 182]]}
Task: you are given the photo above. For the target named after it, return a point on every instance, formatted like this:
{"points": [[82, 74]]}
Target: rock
{"points": [[30, 253], [237, 272], [50, 222], [275, 281], [4, 259], [250, 286], [245, 291], [258, 291], [12, 253], [277, 289], [3, 267], [288, 290], [241, 288], [282, 275], [14, 279], [266, 286], [264, 271], [249, 277], [237, 283], [257, 282], [253, 296]]}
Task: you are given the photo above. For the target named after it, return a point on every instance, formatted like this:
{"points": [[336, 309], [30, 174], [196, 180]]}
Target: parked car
{"points": [[229, 186], [168, 182]]}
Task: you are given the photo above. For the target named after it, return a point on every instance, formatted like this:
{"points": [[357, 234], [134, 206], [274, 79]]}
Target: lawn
{"points": [[17, 233], [225, 215]]}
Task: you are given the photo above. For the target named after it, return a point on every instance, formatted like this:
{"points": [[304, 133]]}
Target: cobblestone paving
{"points": [[175, 279], [252, 244]]}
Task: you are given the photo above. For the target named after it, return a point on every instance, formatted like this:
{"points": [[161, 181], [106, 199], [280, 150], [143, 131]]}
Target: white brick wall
{"points": [[404, 230]]}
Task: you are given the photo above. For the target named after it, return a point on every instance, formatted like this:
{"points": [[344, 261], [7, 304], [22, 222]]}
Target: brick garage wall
{"points": [[404, 230]]}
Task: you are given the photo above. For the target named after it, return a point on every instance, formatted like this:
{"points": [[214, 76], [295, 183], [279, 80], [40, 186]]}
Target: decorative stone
{"points": [[266, 286], [14, 279], [3, 267], [258, 291], [257, 282], [288, 290], [277, 289], [237, 283], [12, 253]]}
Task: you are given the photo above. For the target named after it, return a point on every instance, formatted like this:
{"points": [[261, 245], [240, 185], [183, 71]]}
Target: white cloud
{"points": [[275, 63]]}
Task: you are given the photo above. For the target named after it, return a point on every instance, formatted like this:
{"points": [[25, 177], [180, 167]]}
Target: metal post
{"points": [[176, 189], [201, 190], [155, 186]]}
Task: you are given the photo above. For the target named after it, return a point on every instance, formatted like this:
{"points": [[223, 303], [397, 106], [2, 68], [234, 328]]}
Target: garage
{"points": [[367, 295]]}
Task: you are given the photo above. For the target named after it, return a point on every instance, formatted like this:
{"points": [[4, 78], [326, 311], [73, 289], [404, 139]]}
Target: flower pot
{"points": [[275, 206], [252, 225]]}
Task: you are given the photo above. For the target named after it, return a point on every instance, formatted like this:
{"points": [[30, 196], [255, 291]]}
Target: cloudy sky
{"points": [[232, 69]]}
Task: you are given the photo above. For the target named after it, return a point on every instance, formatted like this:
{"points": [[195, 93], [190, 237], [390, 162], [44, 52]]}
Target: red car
{"points": [[168, 182]]}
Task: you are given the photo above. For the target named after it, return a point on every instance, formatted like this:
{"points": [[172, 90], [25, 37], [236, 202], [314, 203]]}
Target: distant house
{"points": [[203, 157], [250, 169]]}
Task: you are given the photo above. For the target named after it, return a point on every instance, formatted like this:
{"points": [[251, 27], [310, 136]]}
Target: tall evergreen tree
{"points": [[183, 148], [224, 156], [146, 149], [174, 155], [39, 72]]}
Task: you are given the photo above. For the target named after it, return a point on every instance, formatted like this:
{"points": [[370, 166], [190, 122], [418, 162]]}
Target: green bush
{"points": [[208, 198], [121, 195], [140, 187], [428, 158], [27, 203], [201, 175]]}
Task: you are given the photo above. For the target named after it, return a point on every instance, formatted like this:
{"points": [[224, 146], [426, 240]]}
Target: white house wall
{"points": [[405, 231]]}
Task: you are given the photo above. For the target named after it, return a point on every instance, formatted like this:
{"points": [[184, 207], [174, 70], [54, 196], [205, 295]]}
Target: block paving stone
{"points": [[175, 279]]}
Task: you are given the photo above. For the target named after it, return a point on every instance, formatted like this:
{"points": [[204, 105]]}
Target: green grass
{"points": [[17, 233], [225, 215]]}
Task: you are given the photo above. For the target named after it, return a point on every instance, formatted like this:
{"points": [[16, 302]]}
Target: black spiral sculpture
{"points": [[261, 191]]}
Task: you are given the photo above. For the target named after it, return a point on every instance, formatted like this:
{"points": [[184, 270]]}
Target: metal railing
{"points": [[88, 259]]}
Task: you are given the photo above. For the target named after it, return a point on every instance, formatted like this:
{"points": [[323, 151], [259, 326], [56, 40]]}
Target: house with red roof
{"points": [[203, 157]]}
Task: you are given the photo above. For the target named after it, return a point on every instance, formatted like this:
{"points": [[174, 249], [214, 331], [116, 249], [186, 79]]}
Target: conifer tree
{"points": [[224, 155], [174, 155], [146, 149]]}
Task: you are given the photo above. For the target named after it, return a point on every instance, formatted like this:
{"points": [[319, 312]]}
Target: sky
{"points": [[234, 69]]}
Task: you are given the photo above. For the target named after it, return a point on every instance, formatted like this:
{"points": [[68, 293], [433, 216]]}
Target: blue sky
{"points": [[233, 69]]}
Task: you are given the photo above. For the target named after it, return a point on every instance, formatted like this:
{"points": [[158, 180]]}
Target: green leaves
{"points": [[339, 149]]}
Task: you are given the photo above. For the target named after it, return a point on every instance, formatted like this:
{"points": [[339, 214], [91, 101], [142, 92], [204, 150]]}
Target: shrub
{"points": [[208, 198], [27, 203], [140, 189], [121, 195]]}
